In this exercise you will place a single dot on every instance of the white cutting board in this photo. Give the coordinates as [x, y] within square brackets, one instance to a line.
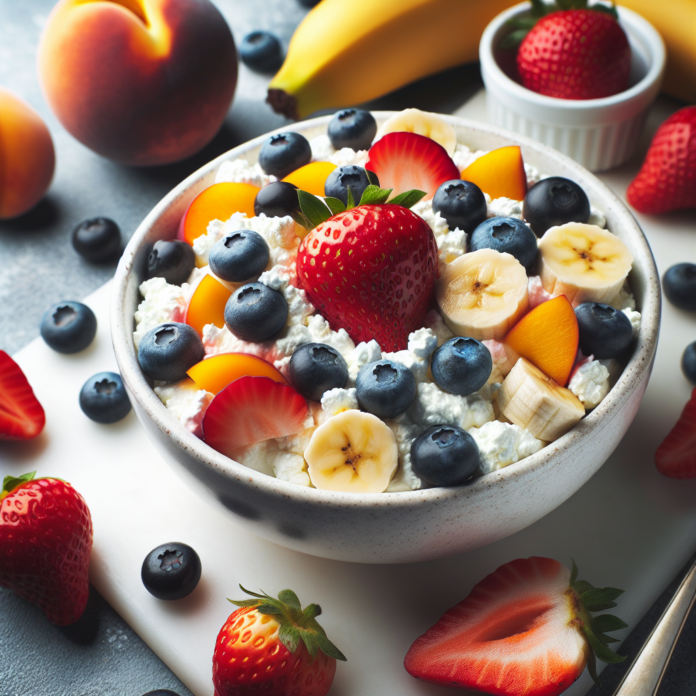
[628, 527]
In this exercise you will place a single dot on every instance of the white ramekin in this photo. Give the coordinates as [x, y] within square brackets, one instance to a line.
[597, 133]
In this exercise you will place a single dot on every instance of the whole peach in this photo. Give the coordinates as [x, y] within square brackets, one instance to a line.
[142, 82]
[27, 157]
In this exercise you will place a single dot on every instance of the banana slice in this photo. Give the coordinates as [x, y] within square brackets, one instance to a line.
[353, 452]
[533, 401]
[422, 123]
[483, 294]
[583, 262]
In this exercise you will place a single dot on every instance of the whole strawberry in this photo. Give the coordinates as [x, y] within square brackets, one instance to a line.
[667, 179]
[45, 542]
[371, 270]
[272, 646]
[575, 53]
[524, 630]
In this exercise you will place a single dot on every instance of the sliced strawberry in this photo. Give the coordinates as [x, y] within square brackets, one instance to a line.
[522, 631]
[250, 410]
[405, 161]
[676, 456]
[21, 415]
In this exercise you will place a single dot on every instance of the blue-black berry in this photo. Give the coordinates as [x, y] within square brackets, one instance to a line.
[239, 256]
[679, 283]
[277, 199]
[167, 351]
[97, 240]
[461, 365]
[444, 455]
[604, 331]
[103, 398]
[172, 260]
[315, 368]
[284, 153]
[507, 235]
[349, 177]
[68, 327]
[461, 203]
[385, 388]
[353, 128]
[555, 201]
[171, 571]
[688, 362]
[255, 312]
[261, 51]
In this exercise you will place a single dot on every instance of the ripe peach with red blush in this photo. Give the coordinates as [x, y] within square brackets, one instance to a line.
[27, 157]
[142, 82]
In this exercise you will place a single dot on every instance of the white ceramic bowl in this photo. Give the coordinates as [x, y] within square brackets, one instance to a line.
[597, 133]
[393, 527]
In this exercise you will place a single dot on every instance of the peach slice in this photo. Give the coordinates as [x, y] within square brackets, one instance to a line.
[215, 373]
[311, 177]
[500, 173]
[548, 338]
[207, 304]
[217, 202]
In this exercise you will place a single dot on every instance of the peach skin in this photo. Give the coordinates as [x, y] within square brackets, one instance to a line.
[27, 157]
[142, 82]
[207, 304]
[215, 373]
[548, 337]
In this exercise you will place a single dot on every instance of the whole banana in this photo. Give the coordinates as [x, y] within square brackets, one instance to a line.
[348, 52]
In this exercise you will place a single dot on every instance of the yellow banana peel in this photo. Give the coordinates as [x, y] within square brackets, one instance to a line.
[347, 52]
[350, 51]
[676, 21]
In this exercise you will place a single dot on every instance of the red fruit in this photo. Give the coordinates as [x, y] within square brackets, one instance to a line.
[45, 541]
[253, 409]
[405, 161]
[575, 54]
[667, 179]
[676, 456]
[21, 415]
[251, 657]
[524, 630]
[371, 270]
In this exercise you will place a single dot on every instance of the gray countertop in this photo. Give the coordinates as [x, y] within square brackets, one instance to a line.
[101, 655]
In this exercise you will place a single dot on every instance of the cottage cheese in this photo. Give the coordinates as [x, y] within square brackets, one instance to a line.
[336, 401]
[451, 244]
[502, 444]
[634, 318]
[324, 151]
[241, 172]
[405, 432]
[432, 406]
[186, 402]
[590, 383]
[161, 303]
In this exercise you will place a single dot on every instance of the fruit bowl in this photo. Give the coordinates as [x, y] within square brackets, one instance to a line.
[404, 526]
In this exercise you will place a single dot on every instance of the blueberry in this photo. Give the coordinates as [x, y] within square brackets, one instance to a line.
[555, 201]
[256, 313]
[461, 203]
[679, 283]
[461, 365]
[171, 260]
[354, 128]
[343, 178]
[97, 240]
[604, 331]
[68, 327]
[103, 398]
[277, 200]
[171, 571]
[284, 153]
[385, 388]
[444, 455]
[261, 51]
[239, 256]
[507, 235]
[315, 368]
[167, 351]
[689, 362]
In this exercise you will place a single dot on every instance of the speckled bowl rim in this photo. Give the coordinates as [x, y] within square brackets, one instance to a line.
[632, 377]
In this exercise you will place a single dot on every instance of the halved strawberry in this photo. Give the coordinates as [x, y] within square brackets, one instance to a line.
[21, 415]
[676, 456]
[405, 161]
[524, 630]
[250, 410]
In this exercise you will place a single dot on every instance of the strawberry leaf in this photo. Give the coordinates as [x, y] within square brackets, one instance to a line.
[408, 199]
[335, 205]
[313, 208]
[573, 573]
[600, 598]
[513, 39]
[592, 666]
[289, 598]
[289, 636]
[350, 201]
[603, 653]
[244, 602]
[582, 586]
[311, 612]
[607, 9]
[607, 639]
[9, 483]
[310, 640]
[328, 648]
[607, 622]
[374, 195]
[372, 177]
